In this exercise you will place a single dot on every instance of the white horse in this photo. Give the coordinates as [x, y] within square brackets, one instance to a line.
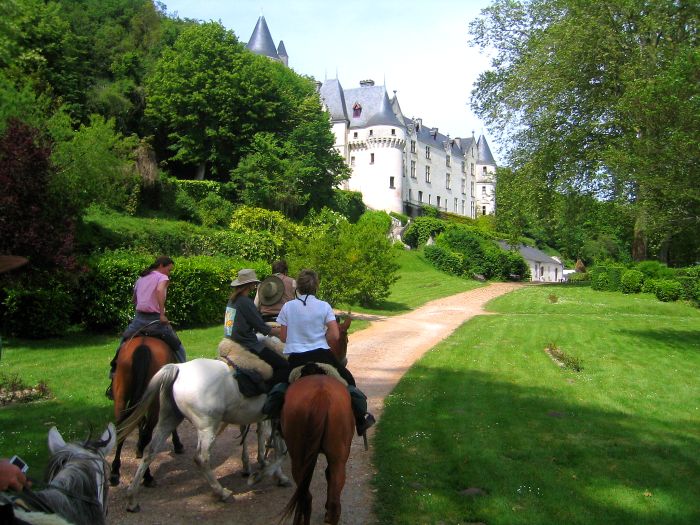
[77, 484]
[205, 392]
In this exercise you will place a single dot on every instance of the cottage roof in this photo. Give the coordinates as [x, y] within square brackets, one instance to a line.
[261, 42]
[531, 254]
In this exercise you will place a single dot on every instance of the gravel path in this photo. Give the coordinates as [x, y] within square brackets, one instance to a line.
[378, 356]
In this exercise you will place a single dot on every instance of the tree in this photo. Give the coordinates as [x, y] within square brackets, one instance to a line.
[600, 98]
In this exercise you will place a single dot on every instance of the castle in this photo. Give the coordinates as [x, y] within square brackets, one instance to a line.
[398, 163]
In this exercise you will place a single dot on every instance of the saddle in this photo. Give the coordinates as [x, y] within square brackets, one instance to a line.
[249, 370]
[313, 369]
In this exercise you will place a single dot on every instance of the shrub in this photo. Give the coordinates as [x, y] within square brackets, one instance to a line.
[687, 286]
[579, 278]
[199, 189]
[668, 290]
[197, 294]
[421, 229]
[607, 278]
[632, 281]
[654, 270]
[214, 210]
[444, 259]
[348, 203]
[37, 305]
[650, 285]
[403, 219]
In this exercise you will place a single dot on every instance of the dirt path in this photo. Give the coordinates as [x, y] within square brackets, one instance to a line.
[378, 357]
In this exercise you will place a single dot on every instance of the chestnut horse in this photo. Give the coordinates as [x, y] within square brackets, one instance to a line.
[139, 360]
[317, 418]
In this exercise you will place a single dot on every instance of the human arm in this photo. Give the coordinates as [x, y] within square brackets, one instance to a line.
[11, 477]
[332, 333]
[283, 333]
[161, 294]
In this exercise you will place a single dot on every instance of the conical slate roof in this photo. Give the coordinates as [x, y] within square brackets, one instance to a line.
[281, 50]
[333, 97]
[384, 115]
[261, 42]
[484, 155]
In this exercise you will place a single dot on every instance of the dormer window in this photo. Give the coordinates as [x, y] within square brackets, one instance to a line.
[356, 110]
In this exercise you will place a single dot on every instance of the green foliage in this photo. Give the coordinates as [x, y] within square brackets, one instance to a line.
[654, 270]
[214, 210]
[579, 278]
[400, 216]
[197, 293]
[421, 229]
[445, 259]
[37, 305]
[650, 285]
[667, 290]
[279, 230]
[349, 203]
[199, 189]
[94, 166]
[607, 277]
[355, 262]
[632, 281]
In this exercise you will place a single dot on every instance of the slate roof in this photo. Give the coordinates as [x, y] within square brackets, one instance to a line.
[333, 97]
[375, 106]
[261, 42]
[484, 155]
[281, 50]
[531, 254]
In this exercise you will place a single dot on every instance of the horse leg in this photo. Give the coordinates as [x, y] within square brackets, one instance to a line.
[335, 477]
[205, 438]
[178, 447]
[245, 459]
[116, 466]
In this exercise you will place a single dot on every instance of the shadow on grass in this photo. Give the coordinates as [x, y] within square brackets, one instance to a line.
[79, 340]
[540, 456]
[679, 339]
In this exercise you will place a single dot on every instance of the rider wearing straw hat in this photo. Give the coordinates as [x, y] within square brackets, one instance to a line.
[274, 291]
[242, 320]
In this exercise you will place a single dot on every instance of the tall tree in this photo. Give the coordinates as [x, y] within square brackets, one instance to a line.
[600, 98]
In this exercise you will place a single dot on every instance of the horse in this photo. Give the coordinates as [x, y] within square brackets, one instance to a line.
[204, 392]
[317, 418]
[139, 360]
[77, 484]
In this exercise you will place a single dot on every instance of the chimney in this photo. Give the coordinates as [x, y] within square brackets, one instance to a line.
[366, 83]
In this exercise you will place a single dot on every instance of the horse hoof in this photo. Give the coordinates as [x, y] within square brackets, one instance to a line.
[284, 482]
[136, 508]
[114, 480]
[245, 473]
[139, 454]
[150, 483]
[225, 494]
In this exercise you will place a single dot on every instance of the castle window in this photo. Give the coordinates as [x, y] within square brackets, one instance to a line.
[447, 161]
[420, 196]
[484, 170]
[448, 182]
[352, 161]
[354, 135]
[391, 182]
[483, 210]
[427, 152]
[464, 186]
[472, 168]
[483, 190]
[464, 167]
[413, 146]
[356, 110]
[455, 204]
[413, 169]
[371, 132]
[371, 158]
[427, 174]
[393, 131]
[472, 189]
[438, 201]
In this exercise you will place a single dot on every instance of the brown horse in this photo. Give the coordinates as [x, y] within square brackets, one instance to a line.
[340, 350]
[317, 418]
[139, 360]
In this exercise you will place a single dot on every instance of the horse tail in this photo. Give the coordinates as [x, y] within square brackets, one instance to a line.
[316, 415]
[162, 381]
[140, 365]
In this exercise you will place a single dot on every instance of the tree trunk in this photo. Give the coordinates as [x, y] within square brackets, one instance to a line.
[201, 168]
[639, 243]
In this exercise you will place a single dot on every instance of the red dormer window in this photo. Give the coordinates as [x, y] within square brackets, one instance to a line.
[356, 110]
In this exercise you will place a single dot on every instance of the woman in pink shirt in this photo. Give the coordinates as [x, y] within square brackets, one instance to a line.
[150, 293]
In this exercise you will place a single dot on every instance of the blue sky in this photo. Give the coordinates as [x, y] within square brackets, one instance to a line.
[417, 47]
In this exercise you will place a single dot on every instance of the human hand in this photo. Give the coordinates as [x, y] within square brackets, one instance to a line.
[11, 477]
[164, 319]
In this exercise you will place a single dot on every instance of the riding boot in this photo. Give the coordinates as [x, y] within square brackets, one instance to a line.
[275, 400]
[358, 401]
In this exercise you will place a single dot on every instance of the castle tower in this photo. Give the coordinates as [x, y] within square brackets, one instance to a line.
[261, 43]
[485, 178]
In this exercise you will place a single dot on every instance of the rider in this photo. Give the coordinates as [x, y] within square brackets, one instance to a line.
[274, 291]
[308, 328]
[150, 292]
[242, 320]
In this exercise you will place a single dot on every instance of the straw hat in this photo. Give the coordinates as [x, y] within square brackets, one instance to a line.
[270, 290]
[245, 276]
[10, 262]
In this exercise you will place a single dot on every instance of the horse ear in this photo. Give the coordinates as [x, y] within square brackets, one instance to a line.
[56, 442]
[346, 323]
[109, 436]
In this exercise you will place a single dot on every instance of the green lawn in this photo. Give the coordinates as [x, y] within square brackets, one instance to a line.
[75, 368]
[487, 409]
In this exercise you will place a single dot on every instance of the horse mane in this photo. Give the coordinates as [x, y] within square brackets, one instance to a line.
[72, 471]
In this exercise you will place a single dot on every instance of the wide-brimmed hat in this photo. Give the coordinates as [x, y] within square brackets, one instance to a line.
[270, 290]
[10, 262]
[245, 276]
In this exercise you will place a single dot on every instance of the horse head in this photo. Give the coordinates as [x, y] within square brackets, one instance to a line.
[340, 350]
